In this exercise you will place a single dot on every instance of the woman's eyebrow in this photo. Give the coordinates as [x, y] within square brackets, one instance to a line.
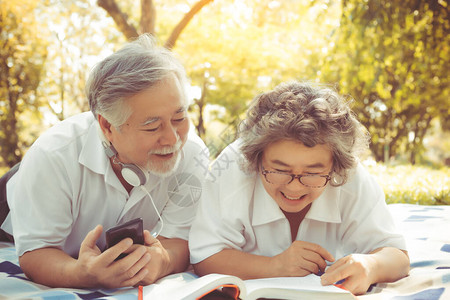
[316, 165]
[312, 166]
[281, 163]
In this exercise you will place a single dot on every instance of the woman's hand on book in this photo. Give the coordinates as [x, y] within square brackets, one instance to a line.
[359, 271]
[300, 259]
[352, 271]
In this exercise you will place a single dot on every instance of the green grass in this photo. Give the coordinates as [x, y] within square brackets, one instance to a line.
[407, 183]
[413, 184]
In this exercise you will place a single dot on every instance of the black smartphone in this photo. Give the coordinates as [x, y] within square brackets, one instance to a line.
[133, 229]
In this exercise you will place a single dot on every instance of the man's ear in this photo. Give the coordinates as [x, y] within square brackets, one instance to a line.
[105, 127]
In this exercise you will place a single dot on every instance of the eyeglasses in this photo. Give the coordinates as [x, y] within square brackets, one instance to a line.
[312, 181]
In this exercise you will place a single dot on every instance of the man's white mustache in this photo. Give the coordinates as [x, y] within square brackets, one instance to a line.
[168, 149]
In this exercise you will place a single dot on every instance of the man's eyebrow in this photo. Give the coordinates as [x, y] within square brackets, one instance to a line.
[181, 109]
[150, 121]
[155, 119]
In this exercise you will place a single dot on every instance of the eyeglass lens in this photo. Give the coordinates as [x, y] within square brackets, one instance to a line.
[308, 180]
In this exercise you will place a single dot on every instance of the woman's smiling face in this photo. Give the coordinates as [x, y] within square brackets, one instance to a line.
[291, 157]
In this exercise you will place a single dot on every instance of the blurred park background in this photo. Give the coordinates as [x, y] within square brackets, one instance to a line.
[390, 56]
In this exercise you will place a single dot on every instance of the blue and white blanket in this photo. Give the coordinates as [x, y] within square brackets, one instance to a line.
[427, 233]
[426, 229]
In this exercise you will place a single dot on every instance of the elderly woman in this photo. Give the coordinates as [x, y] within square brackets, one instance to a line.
[289, 197]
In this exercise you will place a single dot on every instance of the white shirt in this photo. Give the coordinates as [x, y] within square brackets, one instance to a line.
[236, 212]
[66, 186]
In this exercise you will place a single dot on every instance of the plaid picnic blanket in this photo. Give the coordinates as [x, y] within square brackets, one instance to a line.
[427, 233]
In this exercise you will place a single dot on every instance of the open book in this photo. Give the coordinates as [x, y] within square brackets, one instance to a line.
[189, 286]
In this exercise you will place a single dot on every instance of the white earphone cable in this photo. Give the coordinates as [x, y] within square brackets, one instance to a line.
[155, 234]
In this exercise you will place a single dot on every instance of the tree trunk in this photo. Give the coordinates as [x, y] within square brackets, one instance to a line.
[119, 18]
[148, 17]
[170, 43]
[200, 127]
[11, 153]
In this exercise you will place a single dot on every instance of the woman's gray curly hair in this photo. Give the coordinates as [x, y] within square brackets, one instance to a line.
[308, 113]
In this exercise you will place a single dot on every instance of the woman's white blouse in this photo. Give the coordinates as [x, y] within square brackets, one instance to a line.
[235, 212]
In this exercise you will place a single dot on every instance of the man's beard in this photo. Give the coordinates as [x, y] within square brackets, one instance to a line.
[165, 168]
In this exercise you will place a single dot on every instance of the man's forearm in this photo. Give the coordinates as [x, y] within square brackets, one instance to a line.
[51, 267]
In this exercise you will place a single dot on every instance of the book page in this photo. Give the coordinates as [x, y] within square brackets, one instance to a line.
[188, 286]
[294, 288]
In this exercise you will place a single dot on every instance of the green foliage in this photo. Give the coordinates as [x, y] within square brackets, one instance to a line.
[3, 170]
[235, 50]
[413, 184]
[22, 58]
[47, 50]
[392, 57]
[73, 23]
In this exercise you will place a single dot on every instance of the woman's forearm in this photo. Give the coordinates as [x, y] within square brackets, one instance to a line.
[391, 264]
[178, 252]
[237, 263]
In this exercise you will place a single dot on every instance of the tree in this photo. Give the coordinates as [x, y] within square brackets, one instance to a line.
[392, 57]
[147, 22]
[75, 35]
[249, 47]
[79, 37]
[22, 58]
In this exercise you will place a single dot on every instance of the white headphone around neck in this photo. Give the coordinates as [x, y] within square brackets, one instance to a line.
[132, 173]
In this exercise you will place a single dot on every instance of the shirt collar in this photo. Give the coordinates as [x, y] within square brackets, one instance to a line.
[92, 153]
[266, 210]
[93, 157]
[326, 207]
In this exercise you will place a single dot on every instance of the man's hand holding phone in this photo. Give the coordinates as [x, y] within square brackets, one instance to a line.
[141, 264]
[159, 262]
[132, 229]
[95, 268]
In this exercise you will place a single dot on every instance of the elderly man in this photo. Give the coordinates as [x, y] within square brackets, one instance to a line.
[132, 156]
